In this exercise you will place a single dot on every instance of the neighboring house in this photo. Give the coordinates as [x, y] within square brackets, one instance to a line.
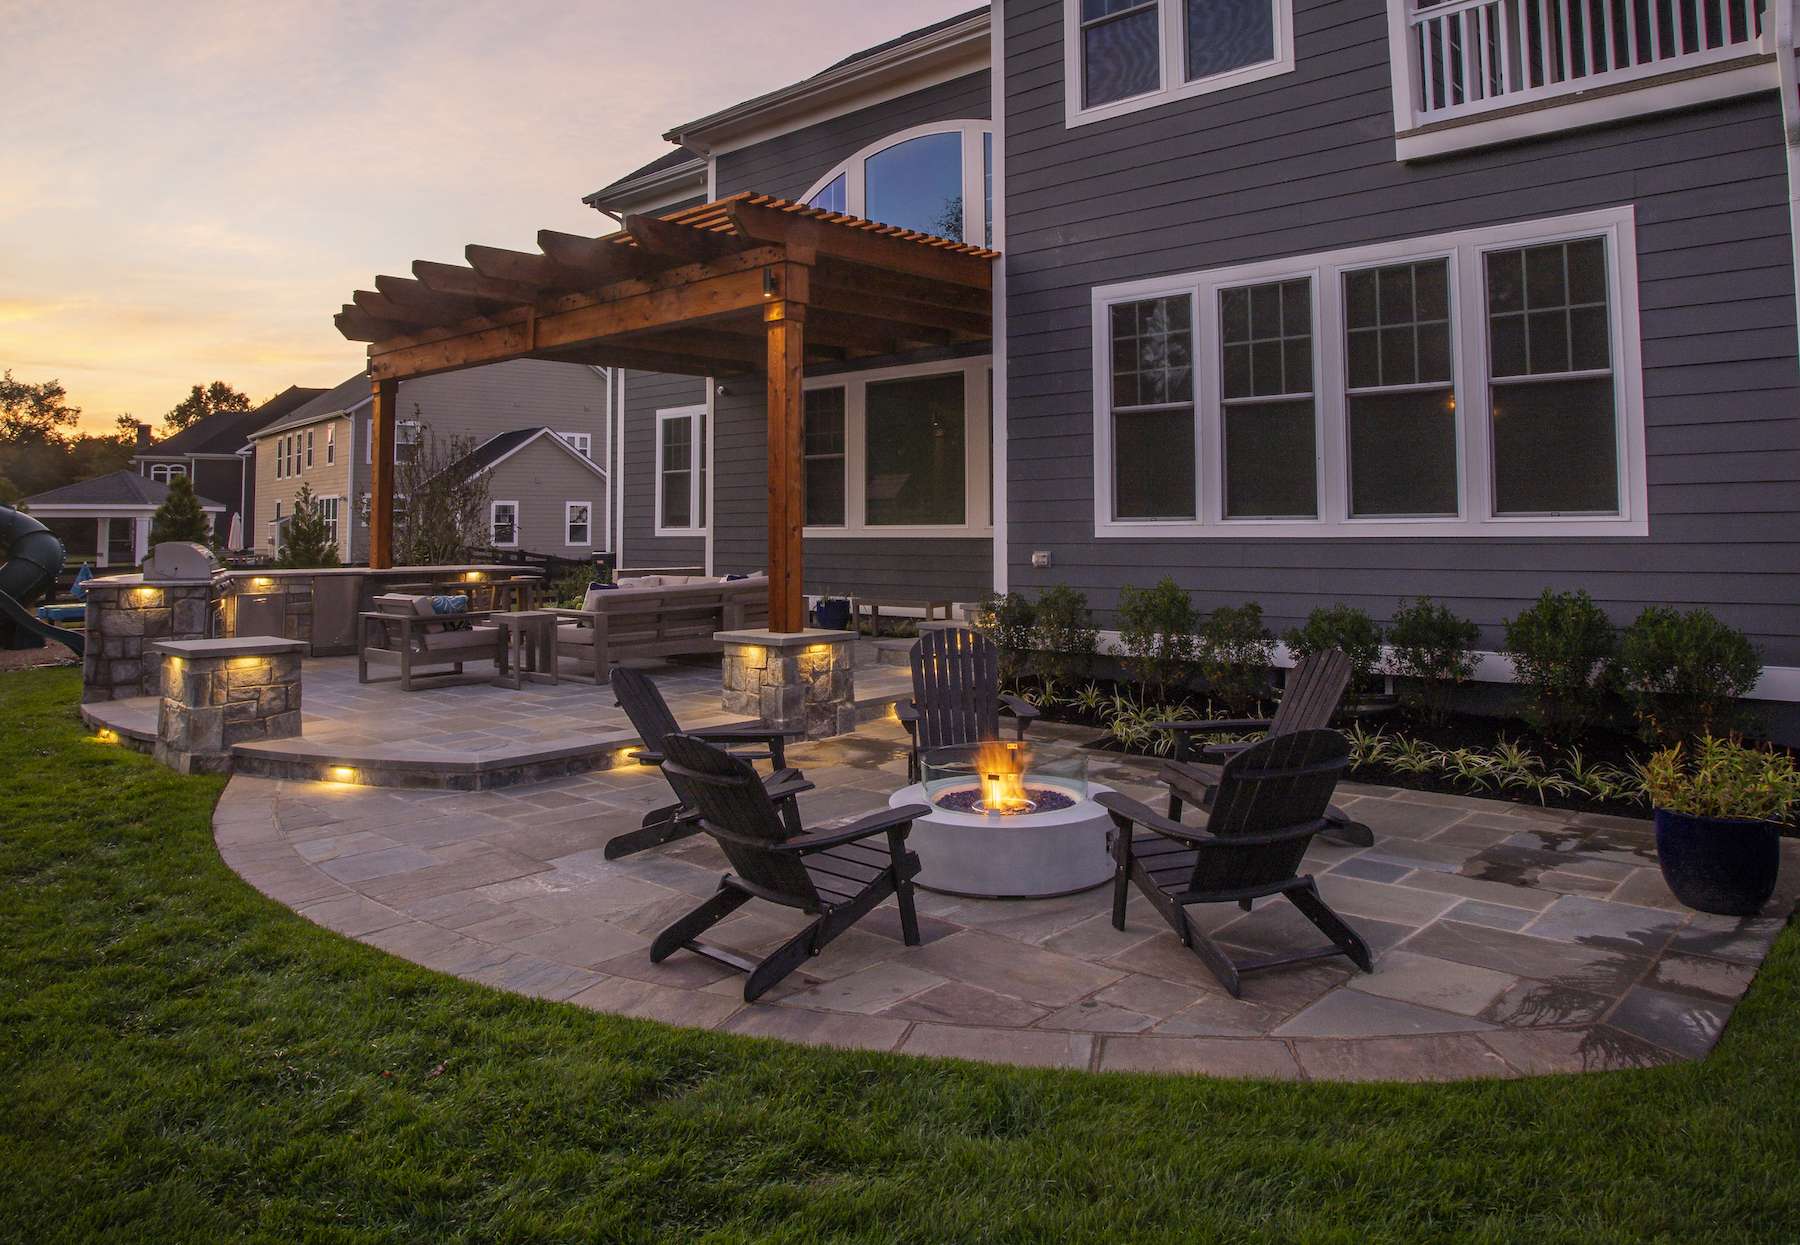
[541, 431]
[215, 453]
[1302, 302]
[106, 520]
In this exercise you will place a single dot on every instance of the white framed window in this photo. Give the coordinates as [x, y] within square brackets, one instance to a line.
[165, 472]
[581, 442]
[900, 452]
[309, 449]
[280, 458]
[328, 512]
[935, 179]
[681, 471]
[330, 444]
[503, 524]
[276, 530]
[1120, 56]
[578, 524]
[1483, 383]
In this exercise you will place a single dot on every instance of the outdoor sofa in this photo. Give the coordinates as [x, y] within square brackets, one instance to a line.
[410, 632]
[659, 616]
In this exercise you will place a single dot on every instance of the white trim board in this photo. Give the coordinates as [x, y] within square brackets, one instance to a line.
[1779, 684]
[1463, 251]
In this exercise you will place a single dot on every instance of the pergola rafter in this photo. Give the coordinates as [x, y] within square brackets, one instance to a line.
[748, 284]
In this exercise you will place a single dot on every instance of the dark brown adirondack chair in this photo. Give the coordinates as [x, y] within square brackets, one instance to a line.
[1313, 693]
[956, 694]
[650, 717]
[831, 872]
[1270, 801]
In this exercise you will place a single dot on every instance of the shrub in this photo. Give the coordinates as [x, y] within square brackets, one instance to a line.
[1064, 636]
[569, 590]
[1430, 646]
[1156, 632]
[1010, 621]
[1560, 648]
[1724, 779]
[1349, 630]
[306, 542]
[1236, 651]
[1685, 672]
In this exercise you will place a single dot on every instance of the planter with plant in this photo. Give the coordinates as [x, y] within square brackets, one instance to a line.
[1719, 806]
[832, 612]
[1357, 636]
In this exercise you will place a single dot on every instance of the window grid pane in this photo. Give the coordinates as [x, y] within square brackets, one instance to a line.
[1270, 445]
[1121, 50]
[825, 449]
[1223, 35]
[677, 460]
[914, 469]
[1153, 409]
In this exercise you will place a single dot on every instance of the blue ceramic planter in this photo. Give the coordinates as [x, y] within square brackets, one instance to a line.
[833, 614]
[1724, 865]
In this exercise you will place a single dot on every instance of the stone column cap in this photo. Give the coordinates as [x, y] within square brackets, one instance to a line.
[785, 639]
[244, 646]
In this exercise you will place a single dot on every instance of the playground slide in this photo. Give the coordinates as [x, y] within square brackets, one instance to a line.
[33, 559]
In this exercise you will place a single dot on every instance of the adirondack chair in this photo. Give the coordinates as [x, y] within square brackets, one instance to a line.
[832, 872]
[1313, 693]
[650, 717]
[1270, 801]
[956, 694]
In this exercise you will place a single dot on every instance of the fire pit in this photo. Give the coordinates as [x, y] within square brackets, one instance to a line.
[1008, 821]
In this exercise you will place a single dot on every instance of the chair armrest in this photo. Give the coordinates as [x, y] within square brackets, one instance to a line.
[1019, 708]
[788, 788]
[1215, 726]
[908, 715]
[836, 836]
[730, 734]
[1128, 811]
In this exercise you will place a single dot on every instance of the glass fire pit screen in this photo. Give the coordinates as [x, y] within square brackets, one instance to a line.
[1004, 778]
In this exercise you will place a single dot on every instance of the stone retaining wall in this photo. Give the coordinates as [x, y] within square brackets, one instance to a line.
[125, 621]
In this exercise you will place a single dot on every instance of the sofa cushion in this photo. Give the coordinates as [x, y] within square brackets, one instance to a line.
[641, 581]
[595, 594]
[462, 641]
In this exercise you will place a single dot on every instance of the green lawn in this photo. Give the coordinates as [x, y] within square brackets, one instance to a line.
[185, 1060]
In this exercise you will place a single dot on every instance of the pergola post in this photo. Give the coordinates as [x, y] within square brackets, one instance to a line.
[784, 318]
[385, 395]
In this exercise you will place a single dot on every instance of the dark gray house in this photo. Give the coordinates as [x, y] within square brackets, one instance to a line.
[1302, 301]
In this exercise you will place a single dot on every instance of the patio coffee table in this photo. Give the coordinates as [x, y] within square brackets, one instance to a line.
[527, 648]
[1008, 820]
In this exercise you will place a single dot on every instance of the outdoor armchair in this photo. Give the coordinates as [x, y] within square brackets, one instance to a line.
[956, 695]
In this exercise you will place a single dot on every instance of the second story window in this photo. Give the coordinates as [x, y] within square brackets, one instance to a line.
[309, 448]
[933, 179]
[581, 442]
[1123, 55]
[330, 444]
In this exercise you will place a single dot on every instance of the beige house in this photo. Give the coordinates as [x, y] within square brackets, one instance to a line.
[538, 430]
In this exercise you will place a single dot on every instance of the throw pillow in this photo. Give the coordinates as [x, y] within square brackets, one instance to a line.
[450, 605]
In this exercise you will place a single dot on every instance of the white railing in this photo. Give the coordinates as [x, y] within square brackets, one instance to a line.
[1470, 56]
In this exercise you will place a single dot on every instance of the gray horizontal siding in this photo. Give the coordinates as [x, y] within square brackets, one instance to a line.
[645, 394]
[1305, 162]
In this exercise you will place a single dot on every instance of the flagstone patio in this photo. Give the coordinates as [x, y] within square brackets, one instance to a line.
[1509, 940]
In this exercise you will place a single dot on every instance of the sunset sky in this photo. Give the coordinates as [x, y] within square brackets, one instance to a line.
[192, 190]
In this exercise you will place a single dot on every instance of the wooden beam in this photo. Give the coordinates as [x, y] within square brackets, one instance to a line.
[428, 306]
[786, 329]
[517, 335]
[841, 274]
[710, 342]
[612, 353]
[596, 260]
[358, 325]
[967, 325]
[661, 237]
[861, 246]
[524, 267]
[467, 283]
[385, 395]
[381, 307]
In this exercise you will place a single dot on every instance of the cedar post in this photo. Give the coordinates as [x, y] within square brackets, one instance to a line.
[785, 319]
[385, 394]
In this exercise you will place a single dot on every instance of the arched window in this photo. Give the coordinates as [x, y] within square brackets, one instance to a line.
[162, 473]
[937, 179]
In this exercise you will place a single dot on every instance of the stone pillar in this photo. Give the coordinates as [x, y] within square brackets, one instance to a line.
[126, 618]
[216, 693]
[799, 681]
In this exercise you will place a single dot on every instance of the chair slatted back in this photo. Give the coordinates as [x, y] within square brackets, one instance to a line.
[736, 810]
[956, 688]
[1279, 787]
[645, 706]
[1313, 693]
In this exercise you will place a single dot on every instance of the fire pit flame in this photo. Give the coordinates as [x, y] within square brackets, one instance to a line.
[1001, 766]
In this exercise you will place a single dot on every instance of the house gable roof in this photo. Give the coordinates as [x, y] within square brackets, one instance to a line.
[664, 174]
[229, 431]
[497, 449]
[340, 399]
[117, 488]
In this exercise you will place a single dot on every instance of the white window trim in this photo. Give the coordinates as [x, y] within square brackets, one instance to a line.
[581, 442]
[309, 449]
[1171, 84]
[1678, 83]
[336, 521]
[493, 517]
[976, 466]
[168, 471]
[698, 415]
[973, 160]
[1469, 372]
[569, 523]
[330, 444]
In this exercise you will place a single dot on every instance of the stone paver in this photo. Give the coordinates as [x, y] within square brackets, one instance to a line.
[1510, 940]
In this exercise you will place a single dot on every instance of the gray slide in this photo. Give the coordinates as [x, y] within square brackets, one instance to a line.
[33, 558]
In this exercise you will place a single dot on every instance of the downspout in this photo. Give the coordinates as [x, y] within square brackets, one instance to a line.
[1789, 81]
[352, 503]
[998, 360]
[618, 400]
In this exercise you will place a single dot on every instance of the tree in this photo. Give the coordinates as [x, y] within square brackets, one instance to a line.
[306, 541]
[34, 413]
[202, 402]
[9, 492]
[90, 456]
[446, 506]
[180, 516]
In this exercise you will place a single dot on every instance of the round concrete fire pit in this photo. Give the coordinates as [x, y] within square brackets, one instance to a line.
[1006, 823]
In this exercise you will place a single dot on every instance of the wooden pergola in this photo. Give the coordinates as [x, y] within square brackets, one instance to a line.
[743, 285]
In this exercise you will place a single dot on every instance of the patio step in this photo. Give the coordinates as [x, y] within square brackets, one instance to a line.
[894, 652]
